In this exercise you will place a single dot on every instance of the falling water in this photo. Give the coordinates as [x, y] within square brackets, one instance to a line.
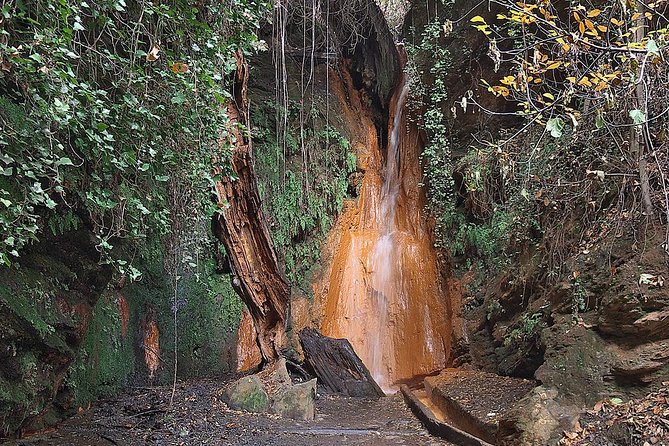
[384, 257]
[384, 291]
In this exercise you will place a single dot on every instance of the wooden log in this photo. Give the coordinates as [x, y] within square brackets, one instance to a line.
[337, 366]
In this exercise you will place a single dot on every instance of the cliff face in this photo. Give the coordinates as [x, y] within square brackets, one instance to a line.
[576, 297]
[46, 305]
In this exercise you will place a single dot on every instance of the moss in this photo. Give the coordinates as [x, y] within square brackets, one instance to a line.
[300, 203]
[208, 315]
[105, 360]
[255, 401]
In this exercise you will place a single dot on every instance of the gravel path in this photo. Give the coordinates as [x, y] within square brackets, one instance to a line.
[142, 417]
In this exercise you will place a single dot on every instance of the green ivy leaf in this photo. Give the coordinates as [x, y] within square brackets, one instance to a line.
[638, 117]
[64, 161]
[652, 47]
[555, 126]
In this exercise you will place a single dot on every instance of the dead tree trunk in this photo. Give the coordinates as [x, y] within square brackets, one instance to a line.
[240, 226]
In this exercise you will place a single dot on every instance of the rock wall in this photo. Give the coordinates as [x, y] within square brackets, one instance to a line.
[68, 336]
[600, 331]
[46, 306]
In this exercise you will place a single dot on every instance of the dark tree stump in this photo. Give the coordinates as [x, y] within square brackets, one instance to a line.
[337, 366]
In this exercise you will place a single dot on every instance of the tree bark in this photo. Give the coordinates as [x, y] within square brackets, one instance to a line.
[337, 366]
[637, 134]
[242, 229]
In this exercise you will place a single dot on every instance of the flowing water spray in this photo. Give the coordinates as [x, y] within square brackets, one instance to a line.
[384, 292]
[384, 258]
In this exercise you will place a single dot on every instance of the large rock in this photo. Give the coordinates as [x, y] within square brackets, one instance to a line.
[577, 363]
[537, 419]
[275, 377]
[272, 390]
[46, 305]
[297, 402]
[247, 394]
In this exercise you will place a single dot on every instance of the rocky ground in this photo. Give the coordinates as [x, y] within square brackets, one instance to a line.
[142, 416]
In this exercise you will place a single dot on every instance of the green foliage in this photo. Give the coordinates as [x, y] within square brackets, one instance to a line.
[579, 296]
[102, 102]
[526, 330]
[301, 201]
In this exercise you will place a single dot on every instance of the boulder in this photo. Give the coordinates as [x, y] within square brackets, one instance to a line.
[297, 402]
[272, 391]
[537, 419]
[275, 377]
[248, 394]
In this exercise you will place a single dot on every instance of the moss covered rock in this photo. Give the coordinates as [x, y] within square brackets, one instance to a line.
[297, 402]
[247, 394]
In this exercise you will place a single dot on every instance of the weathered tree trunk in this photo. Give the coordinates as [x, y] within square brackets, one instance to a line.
[242, 229]
[337, 366]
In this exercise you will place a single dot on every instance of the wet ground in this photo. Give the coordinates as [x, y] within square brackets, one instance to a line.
[197, 417]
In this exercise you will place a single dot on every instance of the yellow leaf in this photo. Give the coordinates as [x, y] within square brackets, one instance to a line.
[577, 17]
[554, 65]
[585, 82]
[179, 67]
[477, 19]
[581, 27]
[508, 80]
[501, 91]
[549, 96]
[590, 25]
[601, 86]
[602, 28]
[617, 22]
[571, 79]
[594, 13]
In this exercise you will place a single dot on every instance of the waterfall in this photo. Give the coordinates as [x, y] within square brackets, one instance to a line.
[385, 260]
[383, 289]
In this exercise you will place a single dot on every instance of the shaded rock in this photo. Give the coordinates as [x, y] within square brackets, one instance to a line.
[247, 394]
[642, 364]
[654, 325]
[577, 363]
[46, 305]
[337, 365]
[537, 419]
[297, 401]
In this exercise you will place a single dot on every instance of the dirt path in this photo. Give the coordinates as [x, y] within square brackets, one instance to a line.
[141, 417]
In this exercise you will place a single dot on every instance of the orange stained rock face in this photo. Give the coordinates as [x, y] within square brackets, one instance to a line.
[151, 344]
[248, 352]
[124, 313]
[384, 292]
